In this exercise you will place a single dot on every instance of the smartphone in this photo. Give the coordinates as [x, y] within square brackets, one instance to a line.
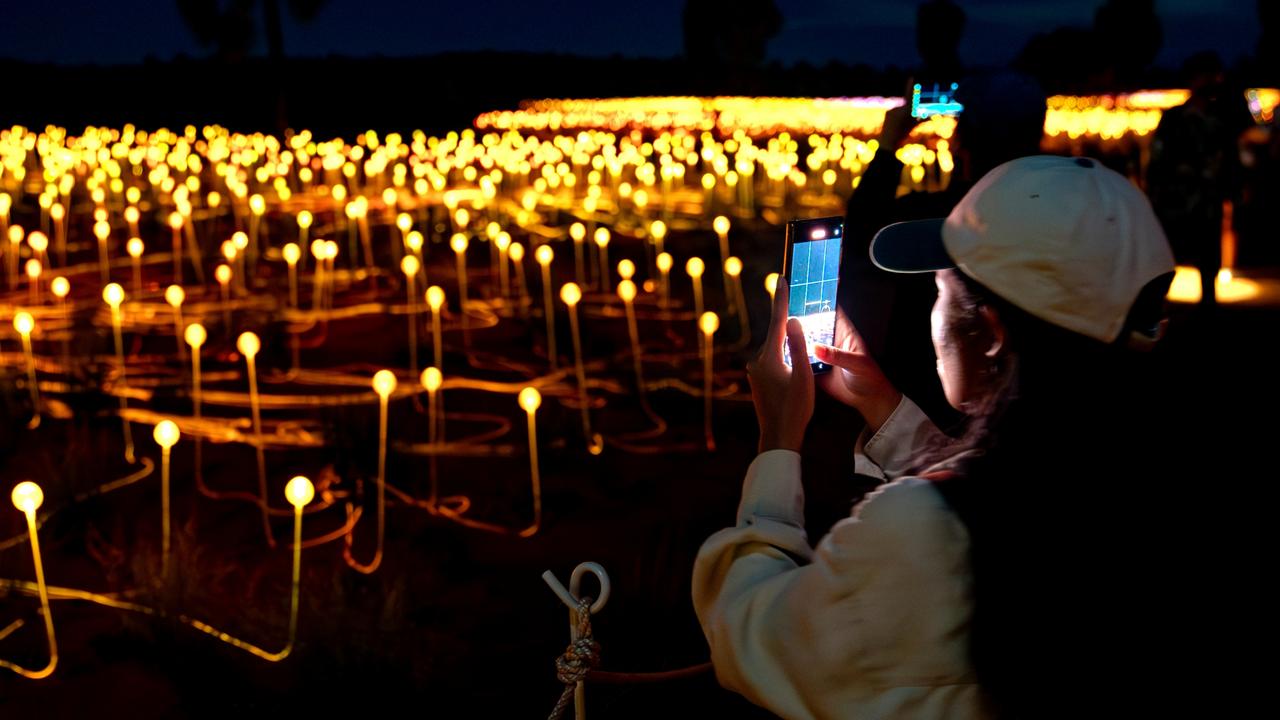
[935, 100]
[811, 266]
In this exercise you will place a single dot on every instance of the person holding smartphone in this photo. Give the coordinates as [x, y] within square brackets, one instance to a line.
[968, 585]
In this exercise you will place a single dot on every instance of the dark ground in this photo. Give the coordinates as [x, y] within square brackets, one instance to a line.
[458, 620]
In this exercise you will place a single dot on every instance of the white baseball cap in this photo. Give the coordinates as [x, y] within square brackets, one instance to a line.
[1065, 239]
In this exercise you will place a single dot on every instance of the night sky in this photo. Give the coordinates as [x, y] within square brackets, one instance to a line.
[877, 32]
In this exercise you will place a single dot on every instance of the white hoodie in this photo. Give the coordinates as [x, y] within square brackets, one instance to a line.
[871, 623]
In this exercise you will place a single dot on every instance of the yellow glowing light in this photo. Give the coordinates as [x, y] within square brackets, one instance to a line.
[134, 247]
[709, 323]
[409, 265]
[131, 215]
[229, 251]
[626, 269]
[404, 221]
[771, 283]
[658, 229]
[435, 297]
[516, 252]
[570, 294]
[299, 491]
[720, 224]
[544, 255]
[695, 267]
[175, 220]
[431, 379]
[174, 295]
[627, 290]
[459, 243]
[384, 383]
[113, 294]
[733, 267]
[195, 335]
[530, 399]
[102, 230]
[664, 261]
[166, 434]
[602, 236]
[38, 241]
[292, 253]
[222, 274]
[414, 241]
[258, 205]
[248, 344]
[60, 287]
[24, 323]
[27, 496]
[240, 241]
[577, 231]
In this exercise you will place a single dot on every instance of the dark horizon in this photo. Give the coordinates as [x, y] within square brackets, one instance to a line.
[879, 33]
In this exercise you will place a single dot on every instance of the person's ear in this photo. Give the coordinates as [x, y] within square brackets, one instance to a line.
[996, 332]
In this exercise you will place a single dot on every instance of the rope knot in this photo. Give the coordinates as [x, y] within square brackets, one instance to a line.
[579, 658]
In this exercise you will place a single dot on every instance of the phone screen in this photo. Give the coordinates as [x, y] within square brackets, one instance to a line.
[813, 273]
[935, 100]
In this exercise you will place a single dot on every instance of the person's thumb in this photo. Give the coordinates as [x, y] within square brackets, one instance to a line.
[837, 357]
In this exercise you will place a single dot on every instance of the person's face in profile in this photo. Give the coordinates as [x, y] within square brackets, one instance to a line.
[966, 339]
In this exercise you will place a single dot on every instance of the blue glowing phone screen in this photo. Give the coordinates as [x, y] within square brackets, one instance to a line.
[815, 276]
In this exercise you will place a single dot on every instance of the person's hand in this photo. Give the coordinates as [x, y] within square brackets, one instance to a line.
[897, 127]
[856, 379]
[783, 395]
[898, 122]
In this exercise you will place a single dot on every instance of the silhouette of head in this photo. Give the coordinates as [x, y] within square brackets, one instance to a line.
[939, 26]
[1003, 119]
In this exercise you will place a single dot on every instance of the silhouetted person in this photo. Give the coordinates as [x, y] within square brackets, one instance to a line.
[939, 27]
[725, 38]
[1194, 168]
[1269, 40]
[1003, 119]
[1129, 36]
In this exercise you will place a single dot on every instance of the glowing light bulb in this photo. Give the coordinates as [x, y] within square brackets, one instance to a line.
[299, 491]
[166, 434]
[720, 224]
[709, 323]
[134, 247]
[409, 265]
[733, 267]
[384, 383]
[60, 287]
[431, 379]
[695, 267]
[38, 241]
[292, 253]
[435, 297]
[627, 290]
[240, 241]
[113, 294]
[577, 231]
[658, 229]
[544, 254]
[24, 323]
[771, 283]
[664, 262]
[248, 344]
[175, 295]
[27, 496]
[458, 242]
[602, 236]
[195, 335]
[570, 294]
[530, 399]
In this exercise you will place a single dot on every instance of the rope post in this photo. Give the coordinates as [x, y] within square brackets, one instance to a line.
[583, 652]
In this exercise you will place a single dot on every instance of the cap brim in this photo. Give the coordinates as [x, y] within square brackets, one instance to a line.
[911, 247]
